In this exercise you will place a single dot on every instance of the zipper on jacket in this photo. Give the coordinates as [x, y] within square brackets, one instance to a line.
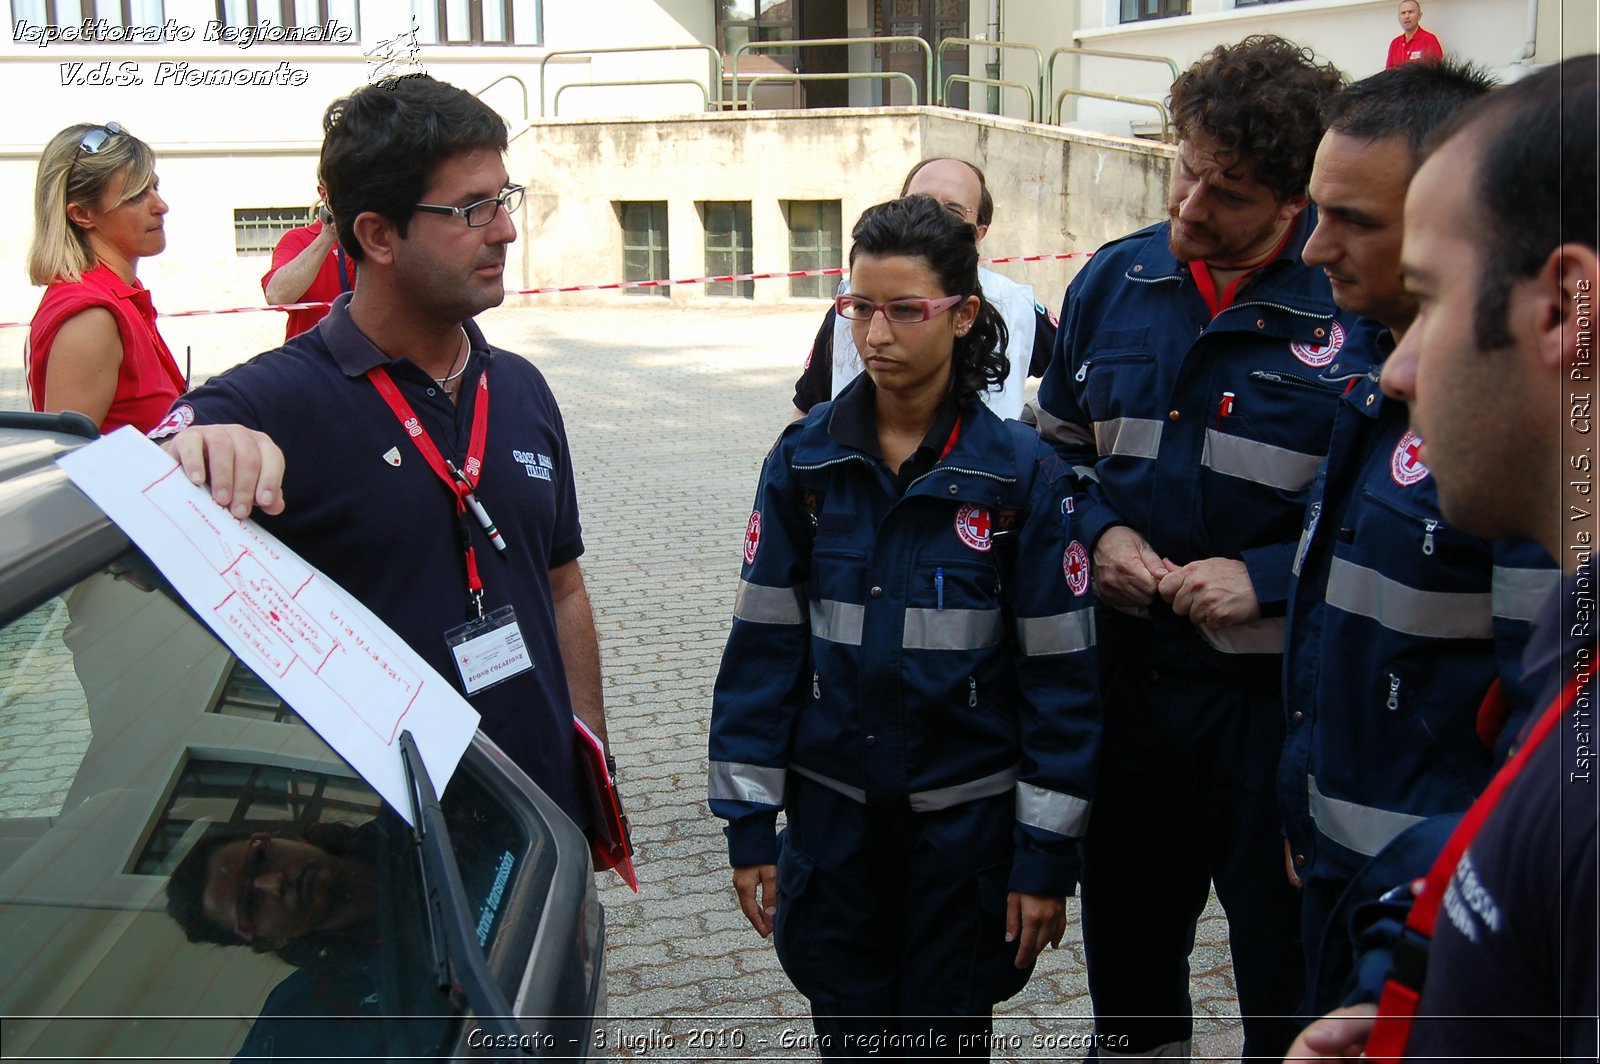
[816, 685]
[972, 692]
[1083, 371]
[1427, 534]
[938, 586]
[1394, 692]
[1291, 380]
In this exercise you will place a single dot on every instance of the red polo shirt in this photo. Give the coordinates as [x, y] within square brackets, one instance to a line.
[1422, 45]
[324, 286]
[148, 380]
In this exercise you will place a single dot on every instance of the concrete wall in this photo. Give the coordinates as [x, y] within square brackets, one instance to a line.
[1055, 190]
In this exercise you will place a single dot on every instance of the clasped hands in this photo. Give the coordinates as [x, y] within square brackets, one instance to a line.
[1129, 574]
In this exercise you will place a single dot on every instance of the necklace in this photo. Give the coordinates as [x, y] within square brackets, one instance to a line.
[445, 382]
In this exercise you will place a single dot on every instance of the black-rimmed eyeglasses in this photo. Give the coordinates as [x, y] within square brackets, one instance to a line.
[482, 212]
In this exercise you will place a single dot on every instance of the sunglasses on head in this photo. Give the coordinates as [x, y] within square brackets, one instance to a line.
[94, 140]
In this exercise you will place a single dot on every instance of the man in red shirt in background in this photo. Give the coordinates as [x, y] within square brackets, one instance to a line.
[1414, 42]
[308, 267]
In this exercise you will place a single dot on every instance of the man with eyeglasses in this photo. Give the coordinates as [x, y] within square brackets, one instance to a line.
[370, 445]
[834, 361]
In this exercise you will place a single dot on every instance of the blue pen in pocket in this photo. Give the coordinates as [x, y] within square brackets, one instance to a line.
[938, 585]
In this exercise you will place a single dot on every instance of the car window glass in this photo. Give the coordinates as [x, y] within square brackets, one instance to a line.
[186, 868]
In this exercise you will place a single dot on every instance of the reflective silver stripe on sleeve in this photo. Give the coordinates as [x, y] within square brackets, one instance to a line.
[1131, 437]
[838, 622]
[1402, 608]
[1363, 828]
[1519, 593]
[946, 797]
[855, 794]
[1063, 814]
[1260, 463]
[769, 605]
[1054, 430]
[1087, 472]
[1061, 634]
[951, 629]
[735, 782]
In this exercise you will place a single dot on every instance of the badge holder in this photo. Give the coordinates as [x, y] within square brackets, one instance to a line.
[488, 650]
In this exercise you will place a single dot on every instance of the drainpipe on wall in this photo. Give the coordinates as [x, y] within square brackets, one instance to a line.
[1522, 57]
[994, 55]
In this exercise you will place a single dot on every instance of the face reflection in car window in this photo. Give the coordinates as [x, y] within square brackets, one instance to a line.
[283, 887]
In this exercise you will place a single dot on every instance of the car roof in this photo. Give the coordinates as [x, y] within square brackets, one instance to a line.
[52, 531]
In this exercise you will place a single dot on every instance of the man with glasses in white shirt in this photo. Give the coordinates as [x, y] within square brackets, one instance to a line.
[960, 186]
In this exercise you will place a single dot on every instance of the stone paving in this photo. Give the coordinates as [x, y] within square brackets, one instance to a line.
[670, 413]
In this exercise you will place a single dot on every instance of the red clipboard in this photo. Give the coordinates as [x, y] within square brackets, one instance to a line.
[612, 845]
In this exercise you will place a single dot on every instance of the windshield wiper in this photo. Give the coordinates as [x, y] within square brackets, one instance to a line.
[457, 957]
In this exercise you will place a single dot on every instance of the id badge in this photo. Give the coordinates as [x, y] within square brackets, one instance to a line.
[488, 651]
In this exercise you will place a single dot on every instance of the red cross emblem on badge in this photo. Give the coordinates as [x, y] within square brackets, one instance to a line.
[1318, 355]
[1405, 465]
[752, 536]
[1075, 563]
[973, 527]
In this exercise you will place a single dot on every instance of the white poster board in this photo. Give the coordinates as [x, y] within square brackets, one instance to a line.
[341, 668]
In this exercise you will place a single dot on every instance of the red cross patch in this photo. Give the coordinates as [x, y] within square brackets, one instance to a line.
[752, 536]
[973, 527]
[1075, 563]
[180, 418]
[1318, 355]
[1404, 465]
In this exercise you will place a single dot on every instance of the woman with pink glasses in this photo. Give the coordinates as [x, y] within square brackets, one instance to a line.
[910, 675]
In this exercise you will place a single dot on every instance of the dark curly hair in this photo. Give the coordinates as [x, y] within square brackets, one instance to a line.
[920, 227]
[1260, 100]
[186, 889]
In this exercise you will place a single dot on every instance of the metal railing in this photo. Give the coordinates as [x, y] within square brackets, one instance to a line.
[969, 79]
[520, 84]
[1097, 53]
[1035, 99]
[713, 95]
[874, 75]
[768, 46]
[1166, 120]
[1044, 99]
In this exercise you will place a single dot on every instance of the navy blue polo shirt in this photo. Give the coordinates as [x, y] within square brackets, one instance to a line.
[363, 506]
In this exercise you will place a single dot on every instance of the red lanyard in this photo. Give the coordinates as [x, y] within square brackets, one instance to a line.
[463, 482]
[950, 444]
[1398, 1005]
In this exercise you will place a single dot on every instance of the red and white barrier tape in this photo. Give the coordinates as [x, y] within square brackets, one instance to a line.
[606, 287]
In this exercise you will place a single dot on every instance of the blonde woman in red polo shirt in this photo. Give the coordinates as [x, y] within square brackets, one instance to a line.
[93, 345]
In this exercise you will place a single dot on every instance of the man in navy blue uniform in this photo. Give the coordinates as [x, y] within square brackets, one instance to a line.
[1186, 386]
[368, 442]
[1399, 624]
[1500, 252]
